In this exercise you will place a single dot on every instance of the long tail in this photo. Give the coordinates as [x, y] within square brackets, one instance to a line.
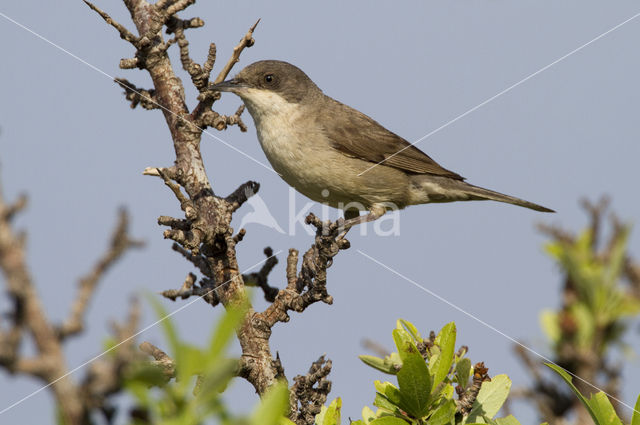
[428, 188]
[483, 193]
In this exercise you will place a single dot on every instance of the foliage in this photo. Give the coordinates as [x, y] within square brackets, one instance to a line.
[600, 299]
[598, 405]
[426, 371]
[201, 375]
[596, 317]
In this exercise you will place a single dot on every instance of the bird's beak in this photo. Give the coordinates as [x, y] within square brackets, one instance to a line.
[233, 85]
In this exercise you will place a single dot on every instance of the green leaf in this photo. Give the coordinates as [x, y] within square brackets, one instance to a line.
[463, 372]
[618, 256]
[444, 392]
[635, 420]
[549, 324]
[389, 390]
[382, 402]
[273, 406]
[330, 415]
[215, 381]
[383, 365]
[367, 414]
[509, 420]
[226, 329]
[604, 410]
[403, 340]
[443, 414]
[446, 340]
[415, 385]
[413, 378]
[585, 321]
[170, 331]
[490, 399]
[387, 396]
[409, 327]
[147, 374]
[388, 420]
[567, 378]
[192, 359]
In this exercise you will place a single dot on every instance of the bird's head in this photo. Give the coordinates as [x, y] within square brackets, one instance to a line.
[267, 83]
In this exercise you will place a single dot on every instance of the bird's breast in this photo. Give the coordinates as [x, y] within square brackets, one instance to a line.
[287, 148]
[299, 150]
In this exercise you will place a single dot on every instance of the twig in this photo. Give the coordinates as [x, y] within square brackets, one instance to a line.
[124, 33]
[120, 243]
[468, 396]
[246, 41]
[260, 278]
[135, 95]
[162, 359]
[309, 393]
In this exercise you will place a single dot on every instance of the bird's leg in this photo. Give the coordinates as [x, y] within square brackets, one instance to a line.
[352, 218]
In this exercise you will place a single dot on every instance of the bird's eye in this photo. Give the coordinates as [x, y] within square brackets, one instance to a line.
[268, 78]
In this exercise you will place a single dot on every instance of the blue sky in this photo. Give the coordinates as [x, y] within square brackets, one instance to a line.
[71, 142]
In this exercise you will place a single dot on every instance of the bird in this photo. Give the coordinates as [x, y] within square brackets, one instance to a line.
[335, 154]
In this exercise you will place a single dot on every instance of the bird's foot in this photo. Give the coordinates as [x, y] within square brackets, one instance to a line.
[375, 212]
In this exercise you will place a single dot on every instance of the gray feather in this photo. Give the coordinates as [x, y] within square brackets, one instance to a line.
[357, 135]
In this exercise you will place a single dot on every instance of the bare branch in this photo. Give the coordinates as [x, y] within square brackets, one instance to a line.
[202, 112]
[221, 122]
[246, 41]
[179, 6]
[124, 33]
[310, 284]
[260, 278]
[105, 376]
[595, 211]
[198, 260]
[211, 60]
[375, 347]
[130, 63]
[138, 96]
[120, 243]
[48, 363]
[309, 393]
[162, 359]
[11, 210]
[185, 290]
[242, 193]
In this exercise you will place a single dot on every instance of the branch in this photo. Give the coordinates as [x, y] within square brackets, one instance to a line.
[466, 397]
[309, 393]
[199, 76]
[162, 360]
[202, 113]
[138, 96]
[27, 317]
[120, 243]
[105, 375]
[309, 286]
[204, 236]
[221, 122]
[242, 194]
[260, 278]
[124, 33]
[246, 41]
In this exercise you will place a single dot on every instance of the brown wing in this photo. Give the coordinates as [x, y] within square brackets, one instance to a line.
[355, 134]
